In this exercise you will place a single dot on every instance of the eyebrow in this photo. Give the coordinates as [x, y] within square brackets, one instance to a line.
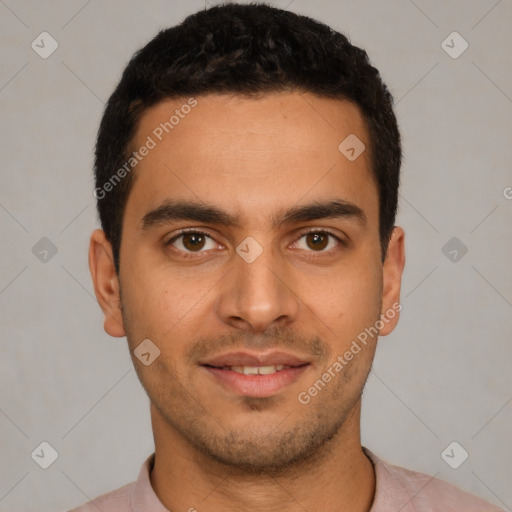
[200, 212]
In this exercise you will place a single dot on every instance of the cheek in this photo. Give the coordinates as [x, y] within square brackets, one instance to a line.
[348, 298]
[145, 302]
[159, 304]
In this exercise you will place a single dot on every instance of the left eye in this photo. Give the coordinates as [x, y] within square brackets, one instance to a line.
[319, 241]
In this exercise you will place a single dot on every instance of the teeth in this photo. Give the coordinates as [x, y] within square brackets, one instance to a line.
[255, 370]
[266, 370]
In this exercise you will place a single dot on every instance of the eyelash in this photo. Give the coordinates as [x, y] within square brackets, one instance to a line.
[192, 254]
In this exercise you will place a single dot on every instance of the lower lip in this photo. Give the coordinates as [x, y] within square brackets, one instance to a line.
[258, 386]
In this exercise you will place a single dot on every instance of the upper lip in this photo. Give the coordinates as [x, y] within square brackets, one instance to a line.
[254, 359]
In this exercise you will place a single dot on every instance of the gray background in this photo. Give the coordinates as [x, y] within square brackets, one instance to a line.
[442, 376]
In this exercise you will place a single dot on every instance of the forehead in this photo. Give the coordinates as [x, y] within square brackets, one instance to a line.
[252, 156]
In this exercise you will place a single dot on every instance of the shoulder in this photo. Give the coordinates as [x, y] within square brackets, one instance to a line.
[420, 492]
[113, 501]
[137, 496]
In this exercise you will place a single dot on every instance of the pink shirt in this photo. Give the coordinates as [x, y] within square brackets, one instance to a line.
[397, 489]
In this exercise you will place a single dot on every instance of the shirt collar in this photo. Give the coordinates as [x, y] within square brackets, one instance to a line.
[143, 497]
[390, 493]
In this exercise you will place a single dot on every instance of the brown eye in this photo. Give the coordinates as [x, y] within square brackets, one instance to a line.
[317, 241]
[192, 241]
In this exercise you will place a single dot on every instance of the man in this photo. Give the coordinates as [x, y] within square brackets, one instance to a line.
[247, 171]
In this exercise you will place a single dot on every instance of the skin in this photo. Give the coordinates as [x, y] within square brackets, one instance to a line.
[215, 449]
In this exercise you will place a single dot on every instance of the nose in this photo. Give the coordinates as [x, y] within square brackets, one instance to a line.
[258, 296]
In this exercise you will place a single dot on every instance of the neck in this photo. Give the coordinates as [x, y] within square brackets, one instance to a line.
[341, 478]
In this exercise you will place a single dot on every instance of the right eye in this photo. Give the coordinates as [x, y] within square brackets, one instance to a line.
[192, 241]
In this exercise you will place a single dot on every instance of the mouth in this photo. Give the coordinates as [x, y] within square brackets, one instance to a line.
[255, 375]
[254, 370]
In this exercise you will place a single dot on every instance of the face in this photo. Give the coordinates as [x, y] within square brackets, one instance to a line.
[251, 259]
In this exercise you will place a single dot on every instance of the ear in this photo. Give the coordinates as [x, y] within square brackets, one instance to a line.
[392, 280]
[106, 283]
